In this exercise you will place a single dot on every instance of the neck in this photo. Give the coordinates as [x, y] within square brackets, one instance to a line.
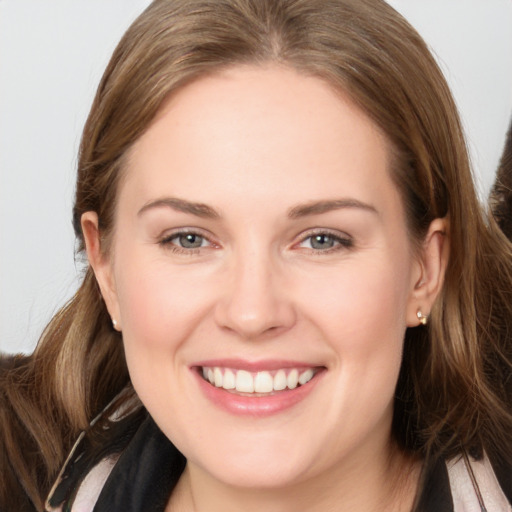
[383, 484]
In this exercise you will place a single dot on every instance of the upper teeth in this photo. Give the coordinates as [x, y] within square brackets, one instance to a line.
[257, 382]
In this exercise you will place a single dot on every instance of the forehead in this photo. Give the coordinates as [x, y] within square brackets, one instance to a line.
[270, 134]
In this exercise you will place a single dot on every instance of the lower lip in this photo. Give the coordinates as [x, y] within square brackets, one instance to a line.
[258, 406]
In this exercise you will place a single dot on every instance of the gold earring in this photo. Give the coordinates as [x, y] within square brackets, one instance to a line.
[422, 318]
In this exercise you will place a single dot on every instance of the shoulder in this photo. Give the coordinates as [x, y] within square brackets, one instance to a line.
[95, 454]
[475, 486]
[135, 468]
[84, 497]
[465, 484]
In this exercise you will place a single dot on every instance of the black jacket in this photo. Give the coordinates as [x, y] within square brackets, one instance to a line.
[147, 466]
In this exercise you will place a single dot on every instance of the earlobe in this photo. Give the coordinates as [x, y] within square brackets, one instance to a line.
[101, 265]
[433, 260]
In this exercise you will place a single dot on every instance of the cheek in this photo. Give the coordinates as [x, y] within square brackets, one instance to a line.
[365, 300]
[161, 308]
[362, 315]
[155, 298]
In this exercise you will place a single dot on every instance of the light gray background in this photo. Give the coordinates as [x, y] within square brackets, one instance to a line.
[52, 54]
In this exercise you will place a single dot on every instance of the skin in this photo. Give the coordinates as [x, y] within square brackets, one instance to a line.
[252, 144]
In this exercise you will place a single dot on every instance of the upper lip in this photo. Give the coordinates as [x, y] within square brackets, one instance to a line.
[255, 366]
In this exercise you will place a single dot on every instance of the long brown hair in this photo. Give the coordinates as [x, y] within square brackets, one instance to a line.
[501, 194]
[454, 388]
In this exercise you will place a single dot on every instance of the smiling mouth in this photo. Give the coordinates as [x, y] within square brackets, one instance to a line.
[257, 383]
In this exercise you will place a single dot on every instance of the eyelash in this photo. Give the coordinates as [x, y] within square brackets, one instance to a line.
[340, 242]
[167, 243]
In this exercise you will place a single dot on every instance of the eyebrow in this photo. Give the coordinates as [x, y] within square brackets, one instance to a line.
[181, 205]
[319, 207]
[302, 210]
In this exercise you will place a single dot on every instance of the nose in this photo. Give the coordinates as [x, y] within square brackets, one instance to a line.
[255, 302]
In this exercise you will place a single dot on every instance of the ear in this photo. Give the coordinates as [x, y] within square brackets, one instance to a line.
[101, 265]
[428, 278]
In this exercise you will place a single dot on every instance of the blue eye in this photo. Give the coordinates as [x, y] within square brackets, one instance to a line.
[189, 240]
[324, 242]
[184, 241]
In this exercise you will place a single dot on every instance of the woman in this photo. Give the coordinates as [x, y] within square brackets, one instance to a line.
[320, 327]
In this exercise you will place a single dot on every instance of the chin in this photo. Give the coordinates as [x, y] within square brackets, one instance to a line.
[258, 463]
[258, 474]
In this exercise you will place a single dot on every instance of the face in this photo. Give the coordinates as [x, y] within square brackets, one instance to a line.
[262, 276]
